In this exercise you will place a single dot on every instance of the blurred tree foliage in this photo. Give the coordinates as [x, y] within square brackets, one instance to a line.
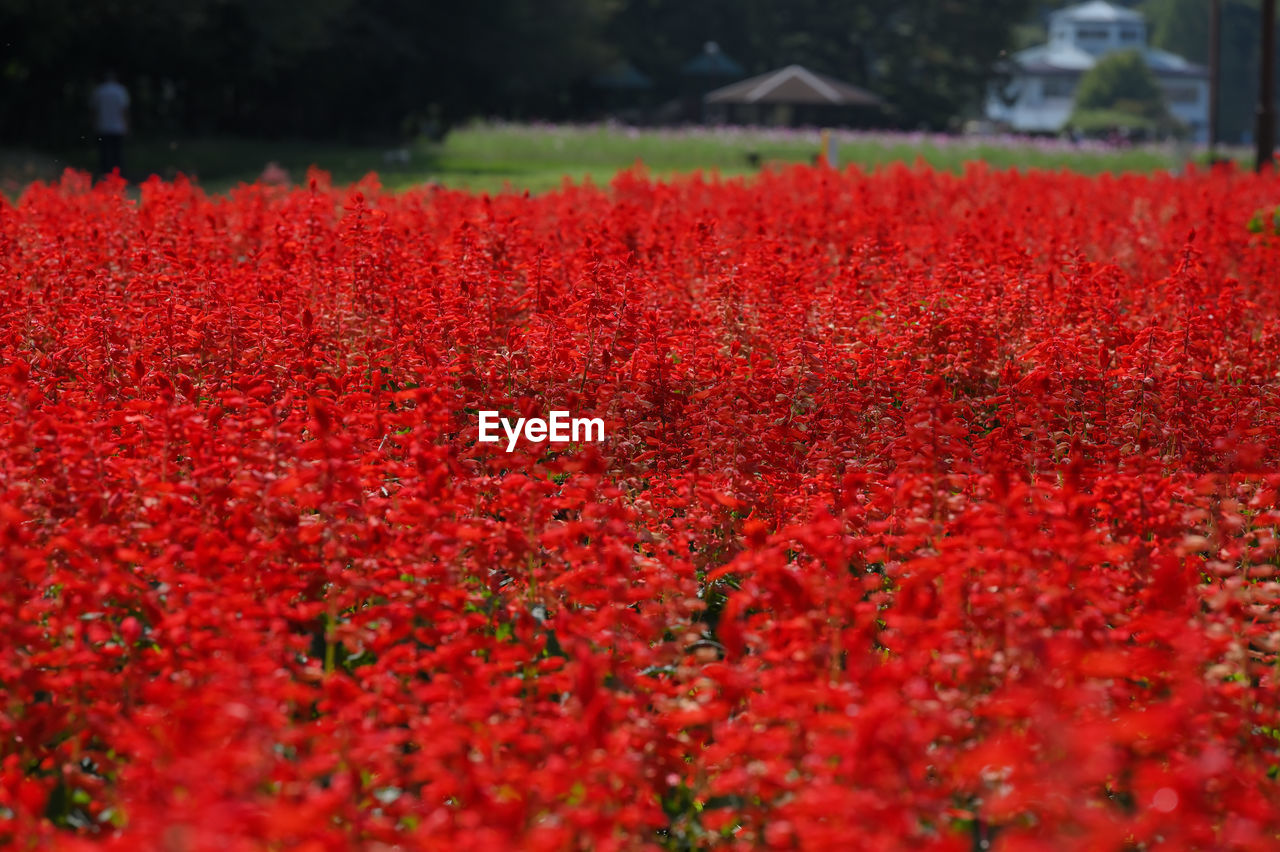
[1120, 93]
[1122, 81]
[370, 70]
[1182, 27]
[197, 64]
[360, 69]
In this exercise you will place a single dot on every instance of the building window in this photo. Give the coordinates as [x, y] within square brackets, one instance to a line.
[1128, 34]
[1182, 94]
[1092, 33]
[1059, 87]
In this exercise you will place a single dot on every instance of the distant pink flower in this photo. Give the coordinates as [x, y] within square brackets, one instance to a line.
[275, 174]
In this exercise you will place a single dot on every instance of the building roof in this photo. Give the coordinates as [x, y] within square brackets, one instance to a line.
[1055, 57]
[1059, 58]
[1164, 62]
[1096, 11]
[712, 62]
[622, 75]
[792, 85]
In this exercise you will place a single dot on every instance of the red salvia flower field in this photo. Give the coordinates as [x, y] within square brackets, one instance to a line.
[934, 512]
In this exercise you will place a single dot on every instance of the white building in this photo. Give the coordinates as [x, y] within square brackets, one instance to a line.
[1041, 92]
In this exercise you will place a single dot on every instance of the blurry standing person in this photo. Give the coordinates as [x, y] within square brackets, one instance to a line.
[110, 103]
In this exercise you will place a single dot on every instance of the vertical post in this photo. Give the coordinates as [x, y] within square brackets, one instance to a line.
[1266, 129]
[1215, 43]
[828, 152]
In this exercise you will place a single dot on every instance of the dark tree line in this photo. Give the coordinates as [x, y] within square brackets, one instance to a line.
[379, 69]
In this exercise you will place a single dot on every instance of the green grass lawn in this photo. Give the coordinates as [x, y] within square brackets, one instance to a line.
[493, 157]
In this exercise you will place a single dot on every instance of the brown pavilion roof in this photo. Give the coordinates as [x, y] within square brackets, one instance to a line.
[792, 85]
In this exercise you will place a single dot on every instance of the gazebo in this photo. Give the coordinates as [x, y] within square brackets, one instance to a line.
[620, 89]
[792, 96]
[711, 64]
[709, 69]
